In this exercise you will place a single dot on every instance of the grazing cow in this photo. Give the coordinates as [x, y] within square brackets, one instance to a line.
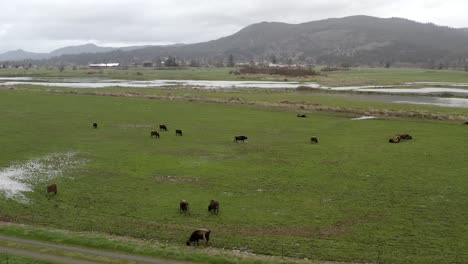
[155, 134]
[213, 206]
[199, 234]
[178, 132]
[163, 127]
[313, 140]
[240, 138]
[466, 123]
[301, 116]
[184, 207]
[405, 136]
[95, 125]
[396, 139]
[52, 188]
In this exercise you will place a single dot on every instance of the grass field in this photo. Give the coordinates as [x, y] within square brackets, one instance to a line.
[12, 259]
[352, 197]
[355, 76]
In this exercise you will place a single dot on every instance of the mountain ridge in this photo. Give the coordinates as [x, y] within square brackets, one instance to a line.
[354, 39]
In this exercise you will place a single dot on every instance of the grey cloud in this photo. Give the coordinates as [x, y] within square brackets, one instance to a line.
[42, 25]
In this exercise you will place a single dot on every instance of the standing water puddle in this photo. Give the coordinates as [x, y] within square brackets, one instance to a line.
[20, 178]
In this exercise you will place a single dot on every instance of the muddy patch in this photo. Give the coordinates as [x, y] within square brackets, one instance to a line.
[176, 179]
[20, 178]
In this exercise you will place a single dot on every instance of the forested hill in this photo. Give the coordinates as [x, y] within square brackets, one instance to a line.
[356, 39]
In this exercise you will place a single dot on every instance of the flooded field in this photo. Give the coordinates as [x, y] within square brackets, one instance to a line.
[101, 83]
[408, 99]
[392, 94]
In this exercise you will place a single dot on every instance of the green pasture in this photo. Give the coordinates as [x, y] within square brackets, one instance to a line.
[354, 76]
[352, 197]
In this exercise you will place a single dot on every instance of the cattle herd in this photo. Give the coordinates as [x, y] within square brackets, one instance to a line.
[199, 234]
[213, 207]
[156, 134]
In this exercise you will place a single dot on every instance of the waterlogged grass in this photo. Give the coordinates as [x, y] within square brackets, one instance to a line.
[352, 77]
[352, 197]
[295, 98]
[391, 76]
[134, 73]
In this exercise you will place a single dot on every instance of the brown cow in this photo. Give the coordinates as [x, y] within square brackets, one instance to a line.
[213, 206]
[52, 188]
[184, 207]
[405, 136]
[199, 234]
[396, 139]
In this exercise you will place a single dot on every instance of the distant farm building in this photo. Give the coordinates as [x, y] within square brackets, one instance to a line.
[103, 65]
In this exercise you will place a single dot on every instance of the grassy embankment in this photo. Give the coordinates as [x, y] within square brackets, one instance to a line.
[353, 197]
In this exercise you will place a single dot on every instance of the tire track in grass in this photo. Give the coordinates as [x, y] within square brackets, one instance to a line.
[42, 256]
[98, 253]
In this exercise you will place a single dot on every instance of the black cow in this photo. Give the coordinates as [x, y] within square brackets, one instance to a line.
[95, 125]
[199, 234]
[301, 116]
[466, 123]
[52, 188]
[163, 127]
[313, 140]
[213, 206]
[184, 207]
[240, 138]
[396, 139]
[155, 134]
[178, 132]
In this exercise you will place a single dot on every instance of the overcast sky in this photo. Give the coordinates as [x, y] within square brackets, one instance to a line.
[44, 25]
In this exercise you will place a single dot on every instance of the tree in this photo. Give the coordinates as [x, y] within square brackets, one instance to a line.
[194, 63]
[273, 59]
[230, 62]
[171, 62]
